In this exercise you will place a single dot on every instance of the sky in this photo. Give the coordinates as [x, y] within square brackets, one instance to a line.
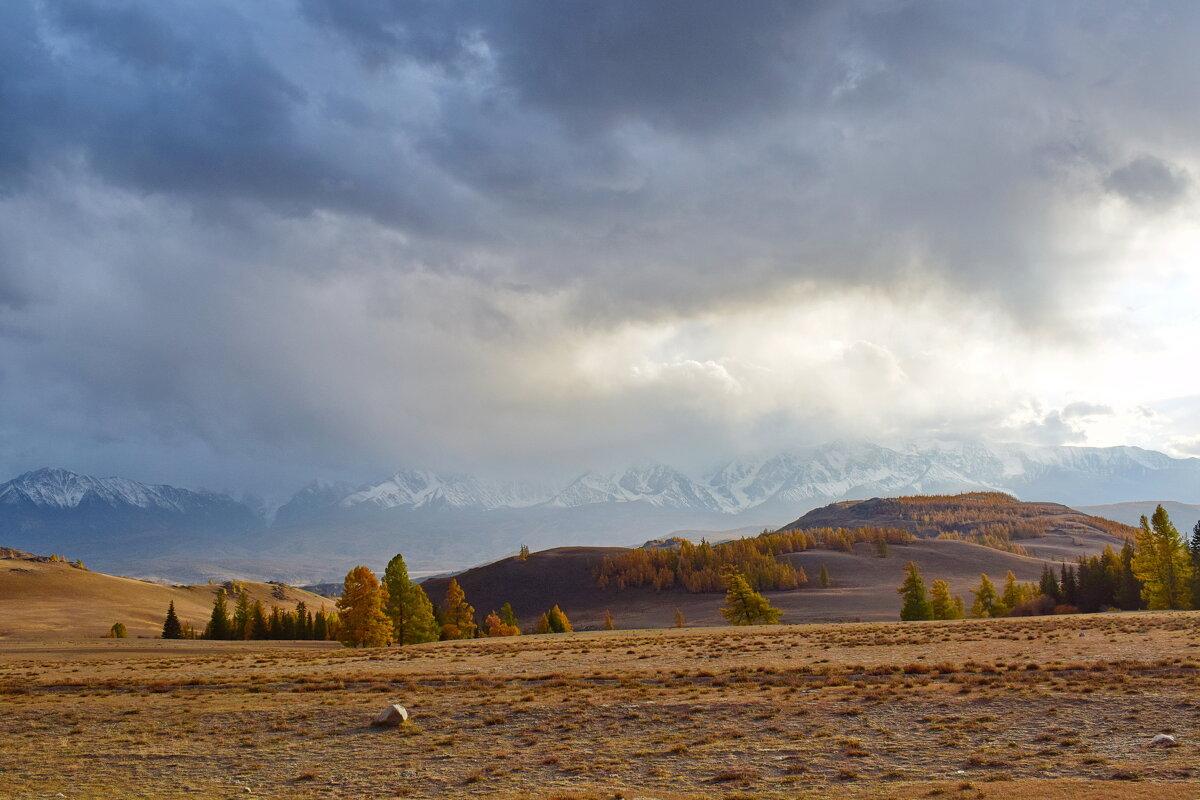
[244, 245]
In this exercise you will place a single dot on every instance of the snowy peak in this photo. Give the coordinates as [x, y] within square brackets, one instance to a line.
[422, 489]
[651, 483]
[61, 489]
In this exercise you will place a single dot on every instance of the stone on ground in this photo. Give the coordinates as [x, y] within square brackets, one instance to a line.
[391, 717]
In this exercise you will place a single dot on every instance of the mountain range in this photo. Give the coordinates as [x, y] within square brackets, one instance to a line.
[449, 521]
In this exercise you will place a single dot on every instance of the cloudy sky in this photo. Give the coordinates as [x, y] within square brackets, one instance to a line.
[243, 245]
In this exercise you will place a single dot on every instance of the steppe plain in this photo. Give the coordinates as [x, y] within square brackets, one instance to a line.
[1049, 707]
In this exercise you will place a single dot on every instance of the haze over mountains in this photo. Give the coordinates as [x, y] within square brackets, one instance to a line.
[452, 521]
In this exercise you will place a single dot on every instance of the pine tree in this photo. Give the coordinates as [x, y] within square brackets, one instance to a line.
[218, 624]
[823, 577]
[303, 631]
[916, 603]
[241, 627]
[171, 627]
[1162, 563]
[1049, 585]
[259, 628]
[363, 621]
[275, 628]
[679, 620]
[1129, 588]
[942, 604]
[743, 605]
[1070, 587]
[320, 626]
[987, 602]
[508, 617]
[1194, 552]
[608, 621]
[408, 606]
[458, 617]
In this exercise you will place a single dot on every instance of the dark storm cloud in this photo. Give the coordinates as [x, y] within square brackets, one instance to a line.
[358, 232]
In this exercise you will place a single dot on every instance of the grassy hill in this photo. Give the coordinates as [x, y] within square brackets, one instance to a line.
[1024, 537]
[45, 599]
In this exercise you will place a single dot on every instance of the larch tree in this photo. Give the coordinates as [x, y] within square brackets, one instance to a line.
[458, 616]
[493, 625]
[608, 621]
[743, 605]
[408, 606]
[987, 601]
[172, 629]
[117, 631]
[942, 603]
[1162, 563]
[679, 620]
[1014, 594]
[823, 577]
[363, 620]
[916, 604]
[508, 616]
[558, 621]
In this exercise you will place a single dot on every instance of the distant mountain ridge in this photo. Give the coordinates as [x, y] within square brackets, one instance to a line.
[450, 521]
[813, 476]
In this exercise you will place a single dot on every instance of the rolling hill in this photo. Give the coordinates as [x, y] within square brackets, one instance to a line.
[864, 584]
[44, 599]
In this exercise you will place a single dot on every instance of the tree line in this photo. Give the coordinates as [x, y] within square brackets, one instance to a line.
[1159, 570]
[702, 567]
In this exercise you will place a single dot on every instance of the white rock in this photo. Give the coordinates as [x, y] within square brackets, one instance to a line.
[1163, 740]
[391, 717]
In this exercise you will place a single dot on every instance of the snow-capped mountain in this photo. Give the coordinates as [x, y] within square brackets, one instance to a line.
[421, 489]
[651, 483]
[62, 490]
[813, 476]
[441, 521]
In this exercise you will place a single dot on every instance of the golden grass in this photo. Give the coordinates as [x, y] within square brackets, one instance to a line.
[1011, 709]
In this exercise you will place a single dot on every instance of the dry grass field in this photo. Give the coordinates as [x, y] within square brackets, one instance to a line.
[53, 600]
[1016, 708]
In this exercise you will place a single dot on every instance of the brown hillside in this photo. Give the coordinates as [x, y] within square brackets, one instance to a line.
[975, 514]
[40, 599]
[864, 585]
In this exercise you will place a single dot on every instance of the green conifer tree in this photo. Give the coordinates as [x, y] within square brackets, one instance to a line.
[408, 606]
[259, 628]
[171, 627]
[743, 605]
[987, 601]
[942, 603]
[242, 622]
[218, 624]
[916, 604]
[1162, 563]
[1049, 585]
